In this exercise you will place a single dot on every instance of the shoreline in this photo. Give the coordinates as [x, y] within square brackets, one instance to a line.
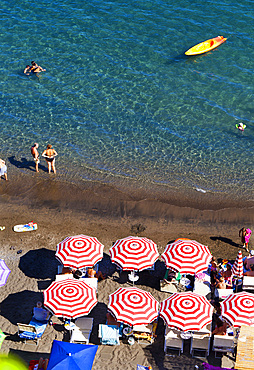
[28, 188]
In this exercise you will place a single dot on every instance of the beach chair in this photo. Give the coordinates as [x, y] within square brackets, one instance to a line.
[173, 341]
[32, 331]
[144, 333]
[200, 342]
[168, 287]
[248, 283]
[63, 277]
[92, 282]
[109, 334]
[82, 330]
[222, 293]
[223, 344]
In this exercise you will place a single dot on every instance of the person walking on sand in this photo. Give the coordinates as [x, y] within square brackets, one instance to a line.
[35, 154]
[245, 234]
[49, 154]
[3, 169]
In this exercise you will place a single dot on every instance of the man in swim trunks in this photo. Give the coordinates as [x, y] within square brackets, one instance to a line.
[35, 68]
[35, 154]
[50, 155]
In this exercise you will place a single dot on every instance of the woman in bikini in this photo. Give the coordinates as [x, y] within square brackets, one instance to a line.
[49, 154]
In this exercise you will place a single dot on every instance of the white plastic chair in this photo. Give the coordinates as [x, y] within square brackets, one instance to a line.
[133, 277]
[173, 340]
[82, 330]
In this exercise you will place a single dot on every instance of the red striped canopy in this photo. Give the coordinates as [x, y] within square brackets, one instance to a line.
[133, 306]
[186, 311]
[70, 298]
[237, 269]
[186, 256]
[134, 253]
[238, 309]
[79, 251]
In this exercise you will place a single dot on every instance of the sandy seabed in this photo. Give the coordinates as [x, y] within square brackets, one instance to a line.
[63, 209]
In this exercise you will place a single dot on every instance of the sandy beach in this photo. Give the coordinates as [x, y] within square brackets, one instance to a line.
[62, 209]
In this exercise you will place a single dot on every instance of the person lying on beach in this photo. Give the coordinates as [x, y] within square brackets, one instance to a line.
[250, 272]
[91, 273]
[49, 154]
[170, 276]
[35, 68]
[40, 313]
[249, 260]
[227, 275]
[220, 328]
[221, 283]
[43, 364]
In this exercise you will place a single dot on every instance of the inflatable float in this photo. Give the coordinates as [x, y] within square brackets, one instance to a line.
[205, 46]
[27, 227]
[240, 126]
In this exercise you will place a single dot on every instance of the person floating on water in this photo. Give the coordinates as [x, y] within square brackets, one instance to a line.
[240, 126]
[35, 68]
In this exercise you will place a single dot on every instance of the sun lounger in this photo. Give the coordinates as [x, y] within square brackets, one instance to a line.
[61, 277]
[248, 283]
[92, 282]
[144, 333]
[173, 340]
[223, 344]
[168, 287]
[222, 293]
[109, 334]
[82, 330]
[32, 331]
[200, 342]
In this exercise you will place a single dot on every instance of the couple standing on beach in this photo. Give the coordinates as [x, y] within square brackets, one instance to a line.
[49, 154]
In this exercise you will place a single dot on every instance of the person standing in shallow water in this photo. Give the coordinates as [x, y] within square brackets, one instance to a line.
[49, 154]
[35, 154]
[3, 169]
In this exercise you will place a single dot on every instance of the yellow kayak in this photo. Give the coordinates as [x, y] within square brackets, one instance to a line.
[205, 46]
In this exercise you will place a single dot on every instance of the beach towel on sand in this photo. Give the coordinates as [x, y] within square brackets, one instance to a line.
[211, 367]
[109, 334]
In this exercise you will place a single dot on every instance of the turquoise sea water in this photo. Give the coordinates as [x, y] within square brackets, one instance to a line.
[120, 101]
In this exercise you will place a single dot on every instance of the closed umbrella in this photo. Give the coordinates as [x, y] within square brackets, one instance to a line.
[237, 269]
[133, 306]
[186, 311]
[70, 298]
[238, 309]
[186, 256]
[79, 251]
[4, 272]
[134, 253]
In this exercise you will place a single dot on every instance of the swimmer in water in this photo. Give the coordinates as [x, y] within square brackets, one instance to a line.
[240, 126]
[35, 68]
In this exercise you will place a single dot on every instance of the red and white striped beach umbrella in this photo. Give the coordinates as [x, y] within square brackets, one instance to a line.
[186, 311]
[238, 309]
[237, 269]
[79, 251]
[133, 306]
[186, 256]
[134, 253]
[70, 298]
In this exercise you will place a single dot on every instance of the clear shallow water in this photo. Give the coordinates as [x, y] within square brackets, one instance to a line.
[120, 101]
